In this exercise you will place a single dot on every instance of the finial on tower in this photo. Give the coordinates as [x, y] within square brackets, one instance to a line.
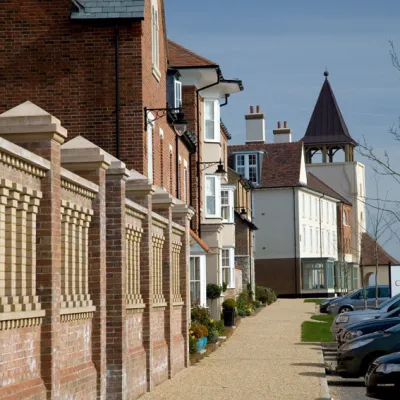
[326, 73]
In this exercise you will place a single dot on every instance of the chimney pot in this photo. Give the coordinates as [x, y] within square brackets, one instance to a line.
[279, 125]
[285, 124]
[251, 110]
[258, 109]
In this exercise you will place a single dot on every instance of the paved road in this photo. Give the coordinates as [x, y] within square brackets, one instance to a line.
[263, 360]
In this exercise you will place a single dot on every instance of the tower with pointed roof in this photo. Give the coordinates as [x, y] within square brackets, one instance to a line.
[327, 131]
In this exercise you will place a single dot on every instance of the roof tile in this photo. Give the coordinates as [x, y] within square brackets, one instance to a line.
[368, 252]
[104, 9]
[179, 56]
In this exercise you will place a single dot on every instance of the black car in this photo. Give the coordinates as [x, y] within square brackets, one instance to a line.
[363, 328]
[383, 378]
[355, 357]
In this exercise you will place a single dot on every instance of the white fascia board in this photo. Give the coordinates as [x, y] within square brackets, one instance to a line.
[318, 194]
[228, 187]
[198, 77]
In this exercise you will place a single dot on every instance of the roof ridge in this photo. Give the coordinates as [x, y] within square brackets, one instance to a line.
[330, 188]
[380, 248]
[192, 53]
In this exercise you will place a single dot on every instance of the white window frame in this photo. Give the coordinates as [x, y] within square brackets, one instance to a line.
[316, 208]
[329, 244]
[202, 281]
[304, 239]
[178, 94]
[310, 207]
[155, 39]
[246, 166]
[217, 121]
[303, 195]
[317, 239]
[311, 240]
[323, 241]
[230, 218]
[334, 240]
[217, 185]
[150, 130]
[185, 179]
[231, 284]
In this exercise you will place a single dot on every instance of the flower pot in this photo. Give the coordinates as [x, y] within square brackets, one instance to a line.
[229, 317]
[201, 344]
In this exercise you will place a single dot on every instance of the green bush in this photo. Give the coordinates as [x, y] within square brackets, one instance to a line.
[244, 304]
[192, 345]
[229, 304]
[265, 295]
[201, 315]
[213, 336]
[224, 287]
[219, 325]
[213, 291]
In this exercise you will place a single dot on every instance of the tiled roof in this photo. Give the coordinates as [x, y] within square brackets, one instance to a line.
[179, 56]
[225, 130]
[201, 242]
[327, 125]
[281, 163]
[107, 9]
[316, 184]
[368, 252]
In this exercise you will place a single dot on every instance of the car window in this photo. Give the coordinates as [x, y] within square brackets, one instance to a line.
[388, 302]
[383, 292]
[370, 293]
[394, 305]
[395, 328]
[357, 295]
[394, 313]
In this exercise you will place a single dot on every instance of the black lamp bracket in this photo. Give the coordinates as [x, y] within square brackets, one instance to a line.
[208, 164]
[160, 113]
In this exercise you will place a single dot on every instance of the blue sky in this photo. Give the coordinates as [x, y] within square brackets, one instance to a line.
[280, 50]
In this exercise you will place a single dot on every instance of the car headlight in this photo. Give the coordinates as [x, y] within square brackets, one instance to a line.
[353, 334]
[342, 319]
[356, 345]
[388, 368]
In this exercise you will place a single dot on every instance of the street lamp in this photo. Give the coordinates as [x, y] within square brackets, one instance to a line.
[220, 169]
[174, 114]
[180, 124]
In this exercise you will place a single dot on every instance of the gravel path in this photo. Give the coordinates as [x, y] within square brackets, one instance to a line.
[264, 359]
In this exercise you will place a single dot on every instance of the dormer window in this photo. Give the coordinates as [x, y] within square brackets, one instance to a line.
[178, 94]
[246, 165]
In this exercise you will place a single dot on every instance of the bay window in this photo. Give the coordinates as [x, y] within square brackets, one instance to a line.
[212, 200]
[178, 94]
[227, 205]
[211, 121]
[228, 267]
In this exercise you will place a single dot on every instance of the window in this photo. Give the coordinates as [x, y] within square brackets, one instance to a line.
[212, 202]
[345, 222]
[303, 198]
[329, 243]
[195, 280]
[227, 267]
[246, 165]
[311, 240]
[185, 179]
[334, 243]
[209, 120]
[150, 152]
[178, 94]
[322, 211]
[198, 280]
[313, 276]
[155, 39]
[317, 239]
[310, 207]
[323, 241]
[315, 208]
[225, 206]
[304, 239]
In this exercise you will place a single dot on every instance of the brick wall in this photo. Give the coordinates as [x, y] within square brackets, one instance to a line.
[68, 68]
[84, 322]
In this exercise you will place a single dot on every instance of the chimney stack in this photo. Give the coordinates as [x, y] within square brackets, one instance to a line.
[282, 135]
[255, 126]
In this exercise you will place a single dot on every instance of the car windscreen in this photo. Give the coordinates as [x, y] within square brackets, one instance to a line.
[393, 313]
[395, 328]
[388, 302]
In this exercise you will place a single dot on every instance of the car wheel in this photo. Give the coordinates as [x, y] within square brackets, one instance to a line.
[345, 309]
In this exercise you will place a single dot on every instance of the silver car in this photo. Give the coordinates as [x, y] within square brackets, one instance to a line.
[355, 301]
[356, 316]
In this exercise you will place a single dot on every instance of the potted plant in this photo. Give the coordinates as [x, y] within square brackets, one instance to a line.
[228, 307]
[200, 333]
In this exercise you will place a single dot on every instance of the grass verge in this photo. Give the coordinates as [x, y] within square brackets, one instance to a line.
[317, 330]
[316, 301]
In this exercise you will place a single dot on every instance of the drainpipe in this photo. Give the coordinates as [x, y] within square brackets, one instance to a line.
[198, 147]
[177, 165]
[226, 101]
[117, 105]
[295, 239]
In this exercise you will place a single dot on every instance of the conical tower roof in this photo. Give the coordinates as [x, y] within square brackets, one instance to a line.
[327, 125]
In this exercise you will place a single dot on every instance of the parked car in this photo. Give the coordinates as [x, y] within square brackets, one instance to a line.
[323, 307]
[355, 301]
[357, 316]
[356, 356]
[384, 371]
[379, 323]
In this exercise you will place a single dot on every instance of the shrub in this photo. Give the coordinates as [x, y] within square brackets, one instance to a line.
[219, 325]
[229, 304]
[265, 295]
[192, 344]
[201, 315]
[213, 336]
[224, 287]
[244, 304]
[213, 291]
[198, 330]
